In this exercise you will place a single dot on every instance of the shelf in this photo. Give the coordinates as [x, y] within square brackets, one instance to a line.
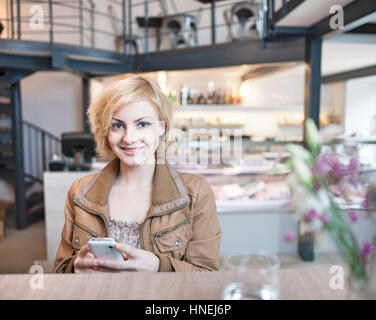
[229, 171]
[208, 126]
[355, 140]
[208, 1]
[222, 107]
[196, 144]
[253, 206]
[231, 107]
[291, 125]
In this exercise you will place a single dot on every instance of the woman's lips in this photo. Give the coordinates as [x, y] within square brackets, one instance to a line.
[131, 151]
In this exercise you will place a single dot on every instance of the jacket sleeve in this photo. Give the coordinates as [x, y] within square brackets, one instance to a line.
[203, 250]
[66, 254]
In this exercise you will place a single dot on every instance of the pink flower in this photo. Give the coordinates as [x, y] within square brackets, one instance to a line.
[290, 236]
[366, 251]
[329, 167]
[354, 216]
[311, 214]
[317, 185]
[366, 203]
[353, 165]
[338, 171]
[325, 219]
[353, 169]
[322, 166]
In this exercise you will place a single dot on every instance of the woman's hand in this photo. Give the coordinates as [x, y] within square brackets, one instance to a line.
[85, 261]
[137, 260]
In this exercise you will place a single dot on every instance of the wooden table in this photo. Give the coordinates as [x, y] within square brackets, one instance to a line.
[301, 282]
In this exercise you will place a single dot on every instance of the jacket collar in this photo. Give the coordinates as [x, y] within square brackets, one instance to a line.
[168, 190]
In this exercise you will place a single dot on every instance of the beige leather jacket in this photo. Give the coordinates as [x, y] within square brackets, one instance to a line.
[181, 227]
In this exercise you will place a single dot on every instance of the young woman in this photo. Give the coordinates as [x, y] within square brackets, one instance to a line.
[162, 220]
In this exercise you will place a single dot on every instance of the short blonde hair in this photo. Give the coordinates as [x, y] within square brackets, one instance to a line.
[121, 91]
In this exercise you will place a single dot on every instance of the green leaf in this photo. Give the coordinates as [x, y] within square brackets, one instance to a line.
[298, 152]
[312, 137]
[278, 170]
[303, 172]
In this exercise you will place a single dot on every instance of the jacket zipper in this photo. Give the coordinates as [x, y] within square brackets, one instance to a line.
[86, 230]
[142, 229]
[93, 212]
[160, 234]
[166, 213]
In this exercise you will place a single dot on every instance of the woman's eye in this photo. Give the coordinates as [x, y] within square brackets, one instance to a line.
[143, 124]
[116, 126]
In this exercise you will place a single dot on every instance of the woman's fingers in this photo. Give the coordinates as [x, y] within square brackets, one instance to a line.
[127, 249]
[103, 269]
[88, 263]
[129, 265]
[89, 255]
[83, 251]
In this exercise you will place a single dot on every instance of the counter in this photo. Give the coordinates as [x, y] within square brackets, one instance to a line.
[247, 225]
[302, 281]
[259, 225]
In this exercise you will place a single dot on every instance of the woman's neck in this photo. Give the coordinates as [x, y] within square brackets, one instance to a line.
[137, 176]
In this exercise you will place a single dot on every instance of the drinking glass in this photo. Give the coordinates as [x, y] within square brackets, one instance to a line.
[256, 276]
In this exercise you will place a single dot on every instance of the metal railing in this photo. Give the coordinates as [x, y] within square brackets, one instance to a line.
[116, 24]
[48, 20]
[39, 147]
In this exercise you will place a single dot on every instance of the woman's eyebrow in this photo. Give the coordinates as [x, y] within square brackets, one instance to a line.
[133, 121]
[143, 118]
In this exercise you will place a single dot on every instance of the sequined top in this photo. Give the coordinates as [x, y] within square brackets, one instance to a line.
[124, 232]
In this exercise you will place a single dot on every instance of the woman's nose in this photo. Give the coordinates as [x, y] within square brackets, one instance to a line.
[130, 136]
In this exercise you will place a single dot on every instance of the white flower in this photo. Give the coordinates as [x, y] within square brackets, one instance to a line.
[324, 198]
[312, 135]
[305, 200]
[303, 172]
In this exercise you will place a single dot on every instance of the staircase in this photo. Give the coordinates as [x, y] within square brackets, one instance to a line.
[6, 147]
[38, 147]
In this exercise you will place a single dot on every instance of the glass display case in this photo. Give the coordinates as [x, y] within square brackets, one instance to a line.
[363, 149]
[237, 169]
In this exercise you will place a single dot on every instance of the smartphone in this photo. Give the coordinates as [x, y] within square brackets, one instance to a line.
[104, 248]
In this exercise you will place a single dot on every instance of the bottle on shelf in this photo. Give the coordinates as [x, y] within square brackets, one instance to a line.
[209, 99]
[194, 96]
[183, 95]
[230, 98]
[189, 98]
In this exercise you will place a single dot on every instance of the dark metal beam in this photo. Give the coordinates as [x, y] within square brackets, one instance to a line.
[347, 75]
[368, 28]
[25, 62]
[18, 19]
[290, 31]
[220, 55]
[311, 110]
[213, 31]
[85, 103]
[351, 13]
[12, 77]
[87, 66]
[313, 80]
[287, 9]
[17, 137]
[44, 47]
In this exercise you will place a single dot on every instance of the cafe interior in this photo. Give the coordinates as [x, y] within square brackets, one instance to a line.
[243, 79]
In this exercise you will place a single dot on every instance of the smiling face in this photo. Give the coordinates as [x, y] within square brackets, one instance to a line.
[134, 133]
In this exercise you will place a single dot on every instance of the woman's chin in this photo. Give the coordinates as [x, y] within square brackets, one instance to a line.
[135, 160]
